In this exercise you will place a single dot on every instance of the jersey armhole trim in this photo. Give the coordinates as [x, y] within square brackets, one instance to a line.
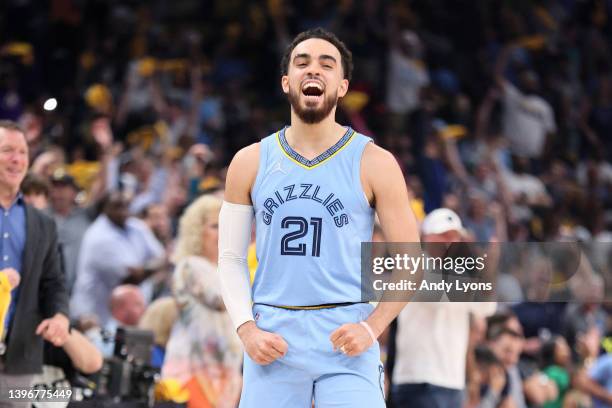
[356, 176]
[261, 168]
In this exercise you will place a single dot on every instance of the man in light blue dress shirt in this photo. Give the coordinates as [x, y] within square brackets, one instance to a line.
[116, 249]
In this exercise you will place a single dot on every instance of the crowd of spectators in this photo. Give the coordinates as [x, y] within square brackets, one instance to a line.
[498, 110]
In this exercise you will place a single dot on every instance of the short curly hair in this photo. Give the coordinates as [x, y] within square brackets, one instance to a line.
[189, 240]
[323, 34]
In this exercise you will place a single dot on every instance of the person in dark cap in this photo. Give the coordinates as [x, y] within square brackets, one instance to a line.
[72, 221]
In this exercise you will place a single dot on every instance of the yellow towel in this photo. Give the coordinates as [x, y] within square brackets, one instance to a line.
[5, 301]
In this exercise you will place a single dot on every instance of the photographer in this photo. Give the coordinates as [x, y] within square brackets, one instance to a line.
[126, 305]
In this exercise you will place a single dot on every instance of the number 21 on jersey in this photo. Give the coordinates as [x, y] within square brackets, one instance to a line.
[290, 248]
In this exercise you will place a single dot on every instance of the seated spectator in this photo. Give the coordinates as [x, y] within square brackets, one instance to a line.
[127, 306]
[601, 372]
[580, 318]
[539, 316]
[489, 388]
[588, 379]
[556, 360]
[506, 340]
[506, 345]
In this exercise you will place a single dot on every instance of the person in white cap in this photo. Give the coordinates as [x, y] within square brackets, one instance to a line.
[442, 225]
[432, 337]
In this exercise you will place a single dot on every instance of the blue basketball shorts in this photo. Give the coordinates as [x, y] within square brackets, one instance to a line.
[311, 370]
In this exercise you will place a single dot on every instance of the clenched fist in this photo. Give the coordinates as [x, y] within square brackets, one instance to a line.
[351, 339]
[263, 347]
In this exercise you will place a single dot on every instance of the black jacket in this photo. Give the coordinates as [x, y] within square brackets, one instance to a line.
[42, 294]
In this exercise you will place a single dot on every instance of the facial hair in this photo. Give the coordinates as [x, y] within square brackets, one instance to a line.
[311, 115]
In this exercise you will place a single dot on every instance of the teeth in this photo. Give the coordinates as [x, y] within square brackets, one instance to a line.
[312, 84]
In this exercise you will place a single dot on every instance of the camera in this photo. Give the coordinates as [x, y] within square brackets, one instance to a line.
[127, 376]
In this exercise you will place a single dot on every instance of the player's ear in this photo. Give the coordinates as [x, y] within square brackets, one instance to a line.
[285, 83]
[343, 88]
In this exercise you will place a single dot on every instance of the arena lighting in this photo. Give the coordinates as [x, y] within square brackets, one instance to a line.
[50, 104]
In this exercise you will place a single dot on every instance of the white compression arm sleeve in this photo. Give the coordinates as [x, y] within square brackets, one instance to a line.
[235, 223]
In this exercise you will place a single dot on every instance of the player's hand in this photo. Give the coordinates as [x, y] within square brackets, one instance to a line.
[54, 329]
[351, 339]
[263, 347]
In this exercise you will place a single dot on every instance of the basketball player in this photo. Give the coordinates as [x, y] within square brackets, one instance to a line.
[313, 188]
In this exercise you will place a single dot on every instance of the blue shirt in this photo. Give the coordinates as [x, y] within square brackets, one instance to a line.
[311, 217]
[12, 244]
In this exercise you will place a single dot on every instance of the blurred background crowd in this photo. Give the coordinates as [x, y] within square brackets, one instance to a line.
[498, 110]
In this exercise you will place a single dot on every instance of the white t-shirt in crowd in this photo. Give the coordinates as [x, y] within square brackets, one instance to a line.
[604, 171]
[432, 342]
[527, 120]
[524, 184]
[406, 78]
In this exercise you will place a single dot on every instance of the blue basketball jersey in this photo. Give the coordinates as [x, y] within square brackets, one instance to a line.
[311, 217]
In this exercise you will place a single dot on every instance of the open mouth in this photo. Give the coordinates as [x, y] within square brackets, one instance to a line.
[14, 172]
[313, 91]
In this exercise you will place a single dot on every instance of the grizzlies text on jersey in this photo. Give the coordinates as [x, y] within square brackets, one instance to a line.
[311, 217]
